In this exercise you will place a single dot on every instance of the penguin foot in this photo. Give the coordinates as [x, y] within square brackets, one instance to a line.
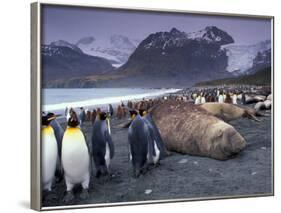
[98, 174]
[84, 194]
[69, 197]
[136, 174]
[59, 178]
[157, 164]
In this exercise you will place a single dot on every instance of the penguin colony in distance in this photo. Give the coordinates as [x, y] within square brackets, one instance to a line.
[102, 145]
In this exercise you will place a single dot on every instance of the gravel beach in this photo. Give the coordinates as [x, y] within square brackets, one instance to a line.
[180, 176]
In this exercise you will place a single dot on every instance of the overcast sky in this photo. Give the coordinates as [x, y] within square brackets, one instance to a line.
[74, 23]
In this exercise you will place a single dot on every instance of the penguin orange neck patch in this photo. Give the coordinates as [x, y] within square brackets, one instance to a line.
[47, 129]
[72, 130]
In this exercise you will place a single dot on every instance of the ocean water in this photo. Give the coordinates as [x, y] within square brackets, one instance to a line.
[58, 99]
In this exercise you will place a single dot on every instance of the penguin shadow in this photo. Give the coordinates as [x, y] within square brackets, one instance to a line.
[146, 170]
[112, 177]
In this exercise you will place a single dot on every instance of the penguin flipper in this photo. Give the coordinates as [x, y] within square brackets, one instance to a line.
[110, 144]
[58, 134]
[150, 143]
[157, 137]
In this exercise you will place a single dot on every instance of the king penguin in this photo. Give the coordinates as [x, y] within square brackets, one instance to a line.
[158, 144]
[102, 145]
[49, 151]
[141, 149]
[59, 135]
[75, 158]
[110, 110]
[82, 115]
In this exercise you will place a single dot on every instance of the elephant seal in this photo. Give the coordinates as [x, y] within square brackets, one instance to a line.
[269, 97]
[260, 106]
[189, 129]
[267, 104]
[229, 112]
[250, 99]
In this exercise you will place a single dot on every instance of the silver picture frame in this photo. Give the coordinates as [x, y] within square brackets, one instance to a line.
[36, 33]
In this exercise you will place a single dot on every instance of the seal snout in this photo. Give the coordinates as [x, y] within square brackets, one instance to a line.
[233, 141]
[227, 142]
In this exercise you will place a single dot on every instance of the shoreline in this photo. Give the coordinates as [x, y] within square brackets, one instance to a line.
[103, 102]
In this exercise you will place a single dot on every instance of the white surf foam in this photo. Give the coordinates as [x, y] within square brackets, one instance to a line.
[107, 100]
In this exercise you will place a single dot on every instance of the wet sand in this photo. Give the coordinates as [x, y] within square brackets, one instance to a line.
[181, 176]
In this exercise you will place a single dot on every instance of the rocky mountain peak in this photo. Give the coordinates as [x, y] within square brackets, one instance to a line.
[86, 40]
[175, 31]
[176, 38]
[62, 43]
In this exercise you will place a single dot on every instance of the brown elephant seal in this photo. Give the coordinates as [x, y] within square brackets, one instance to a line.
[229, 112]
[189, 129]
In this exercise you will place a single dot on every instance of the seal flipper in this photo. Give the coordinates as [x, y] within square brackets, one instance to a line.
[251, 116]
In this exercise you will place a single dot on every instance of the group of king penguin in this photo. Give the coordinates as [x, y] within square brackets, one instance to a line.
[66, 154]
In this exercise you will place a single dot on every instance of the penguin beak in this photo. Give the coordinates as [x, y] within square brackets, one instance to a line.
[133, 116]
[52, 118]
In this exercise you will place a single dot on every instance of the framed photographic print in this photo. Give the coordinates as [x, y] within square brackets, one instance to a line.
[137, 105]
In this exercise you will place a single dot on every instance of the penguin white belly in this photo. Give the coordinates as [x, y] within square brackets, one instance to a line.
[197, 100]
[234, 100]
[157, 153]
[67, 116]
[75, 156]
[130, 154]
[221, 100]
[49, 156]
[203, 100]
[107, 155]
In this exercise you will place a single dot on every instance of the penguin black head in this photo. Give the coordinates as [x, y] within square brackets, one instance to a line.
[102, 116]
[47, 118]
[73, 120]
[133, 114]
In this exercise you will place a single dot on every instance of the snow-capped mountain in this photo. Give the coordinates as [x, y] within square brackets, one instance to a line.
[240, 57]
[179, 57]
[176, 38]
[211, 34]
[63, 62]
[62, 43]
[261, 61]
[116, 48]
